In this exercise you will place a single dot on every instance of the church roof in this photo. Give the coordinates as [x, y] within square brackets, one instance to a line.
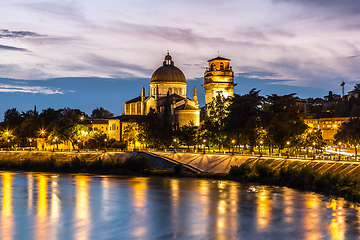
[187, 106]
[137, 99]
[127, 118]
[219, 58]
[168, 72]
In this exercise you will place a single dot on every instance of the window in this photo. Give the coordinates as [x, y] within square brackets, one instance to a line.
[113, 126]
[222, 66]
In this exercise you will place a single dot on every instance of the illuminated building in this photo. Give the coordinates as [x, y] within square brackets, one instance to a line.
[327, 126]
[167, 79]
[218, 77]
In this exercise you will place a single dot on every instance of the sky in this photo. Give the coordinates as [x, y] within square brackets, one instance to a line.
[88, 53]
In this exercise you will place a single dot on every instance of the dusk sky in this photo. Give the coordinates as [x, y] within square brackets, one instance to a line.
[88, 54]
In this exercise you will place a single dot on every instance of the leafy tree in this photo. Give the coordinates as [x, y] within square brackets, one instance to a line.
[282, 119]
[212, 131]
[349, 132]
[73, 133]
[101, 113]
[131, 132]
[150, 129]
[244, 119]
[188, 134]
[12, 117]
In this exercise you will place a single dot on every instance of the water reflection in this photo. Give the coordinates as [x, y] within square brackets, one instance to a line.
[82, 214]
[6, 211]
[312, 218]
[55, 207]
[337, 226]
[263, 214]
[139, 187]
[42, 217]
[44, 206]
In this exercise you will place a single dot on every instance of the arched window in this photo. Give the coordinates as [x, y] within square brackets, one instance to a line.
[212, 67]
[170, 91]
[221, 66]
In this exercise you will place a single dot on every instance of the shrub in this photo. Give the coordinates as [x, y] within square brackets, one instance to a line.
[137, 164]
[178, 168]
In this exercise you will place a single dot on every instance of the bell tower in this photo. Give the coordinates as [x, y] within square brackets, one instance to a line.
[218, 77]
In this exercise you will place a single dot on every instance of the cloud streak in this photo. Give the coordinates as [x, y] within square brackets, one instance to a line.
[8, 88]
[11, 48]
[4, 33]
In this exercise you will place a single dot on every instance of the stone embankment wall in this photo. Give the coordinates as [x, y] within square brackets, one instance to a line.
[163, 162]
[222, 163]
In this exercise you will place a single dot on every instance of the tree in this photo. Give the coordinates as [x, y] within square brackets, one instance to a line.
[12, 117]
[73, 133]
[244, 118]
[212, 131]
[188, 134]
[131, 132]
[150, 128]
[101, 113]
[282, 119]
[349, 132]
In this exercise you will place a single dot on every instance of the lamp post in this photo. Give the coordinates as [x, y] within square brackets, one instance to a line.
[314, 150]
[30, 143]
[105, 140]
[143, 143]
[288, 146]
[204, 144]
[261, 142]
[8, 141]
[78, 145]
[174, 145]
[339, 150]
[233, 143]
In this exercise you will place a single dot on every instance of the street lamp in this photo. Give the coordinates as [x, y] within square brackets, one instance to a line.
[105, 140]
[261, 142]
[30, 143]
[314, 150]
[339, 150]
[8, 141]
[233, 142]
[288, 143]
[174, 145]
[78, 145]
[204, 145]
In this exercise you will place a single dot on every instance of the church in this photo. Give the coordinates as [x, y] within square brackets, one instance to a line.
[167, 79]
[218, 77]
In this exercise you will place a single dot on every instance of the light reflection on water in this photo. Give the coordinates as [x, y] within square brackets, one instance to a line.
[46, 206]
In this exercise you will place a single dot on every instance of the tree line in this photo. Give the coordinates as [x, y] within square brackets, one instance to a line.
[249, 120]
[54, 126]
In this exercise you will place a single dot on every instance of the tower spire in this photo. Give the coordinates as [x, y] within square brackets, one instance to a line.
[195, 95]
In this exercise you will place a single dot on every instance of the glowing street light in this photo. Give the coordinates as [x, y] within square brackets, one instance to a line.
[30, 143]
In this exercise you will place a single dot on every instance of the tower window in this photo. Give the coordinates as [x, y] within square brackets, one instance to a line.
[212, 67]
[222, 66]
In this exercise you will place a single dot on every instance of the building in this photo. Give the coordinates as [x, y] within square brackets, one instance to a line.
[167, 79]
[218, 77]
[327, 126]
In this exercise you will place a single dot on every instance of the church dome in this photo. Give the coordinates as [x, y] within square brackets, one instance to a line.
[168, 72]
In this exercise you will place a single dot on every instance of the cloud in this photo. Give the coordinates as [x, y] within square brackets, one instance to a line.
[117, 68]
[27, 89]
[4, 33]
[4, 47]
[336, 6]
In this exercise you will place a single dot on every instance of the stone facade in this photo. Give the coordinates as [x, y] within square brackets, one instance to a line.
[218, 77]
[167, 79]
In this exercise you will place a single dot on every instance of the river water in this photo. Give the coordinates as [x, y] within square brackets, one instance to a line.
[50, 206]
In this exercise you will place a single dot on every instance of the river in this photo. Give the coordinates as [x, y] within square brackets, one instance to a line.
[78, 206]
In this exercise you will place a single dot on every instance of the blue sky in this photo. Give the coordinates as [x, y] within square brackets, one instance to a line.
[87, 54]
